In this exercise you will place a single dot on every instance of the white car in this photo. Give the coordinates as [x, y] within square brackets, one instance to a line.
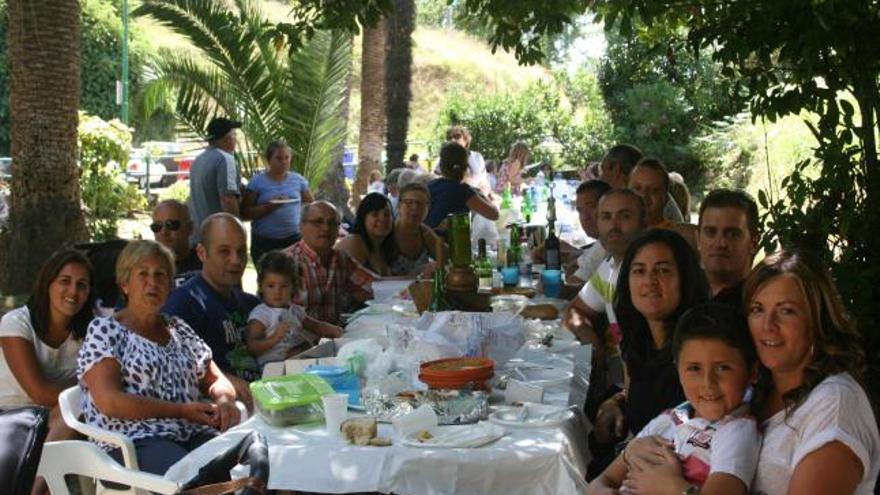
[136, 169]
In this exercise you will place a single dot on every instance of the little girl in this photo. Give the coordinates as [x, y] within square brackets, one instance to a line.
[714, 440]
[276, 328]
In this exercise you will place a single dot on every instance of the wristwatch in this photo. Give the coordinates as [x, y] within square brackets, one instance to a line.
[691, 490]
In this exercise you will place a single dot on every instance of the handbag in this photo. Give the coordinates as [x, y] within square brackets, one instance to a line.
[213, 478]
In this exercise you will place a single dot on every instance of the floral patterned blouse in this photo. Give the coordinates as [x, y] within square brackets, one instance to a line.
[170, 372]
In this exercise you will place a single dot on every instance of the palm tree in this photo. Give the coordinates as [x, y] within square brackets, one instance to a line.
[242, 70]
[372, 130]
[44, 63]
[398, 75]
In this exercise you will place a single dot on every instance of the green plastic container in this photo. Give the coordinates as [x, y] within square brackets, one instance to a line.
[290, 400]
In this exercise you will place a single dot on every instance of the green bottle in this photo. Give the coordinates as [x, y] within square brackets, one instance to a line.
[484, 267]
[438, 282]
[506, 198]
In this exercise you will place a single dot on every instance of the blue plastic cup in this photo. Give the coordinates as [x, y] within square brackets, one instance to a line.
[552, 281]
[510, 276]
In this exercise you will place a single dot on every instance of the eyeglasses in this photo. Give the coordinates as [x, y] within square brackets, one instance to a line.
[413, 202]
[323, 222]
[171, 225]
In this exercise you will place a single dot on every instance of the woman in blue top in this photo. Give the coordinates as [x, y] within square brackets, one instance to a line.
[273, 201]
[450, 195]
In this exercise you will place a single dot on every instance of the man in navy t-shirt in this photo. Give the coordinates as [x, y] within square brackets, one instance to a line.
[213, 304]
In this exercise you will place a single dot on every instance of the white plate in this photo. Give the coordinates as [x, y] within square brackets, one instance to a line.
[536, 416]
[457, 436]
[283, 201]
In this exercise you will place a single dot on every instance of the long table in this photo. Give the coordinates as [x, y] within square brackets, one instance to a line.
[524, 461]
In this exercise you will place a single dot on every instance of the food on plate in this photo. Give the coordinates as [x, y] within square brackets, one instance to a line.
[359, 431]
[540, 311]
[424, 436]
[380, 442]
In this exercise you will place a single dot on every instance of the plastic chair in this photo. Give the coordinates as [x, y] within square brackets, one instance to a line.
[75, 457]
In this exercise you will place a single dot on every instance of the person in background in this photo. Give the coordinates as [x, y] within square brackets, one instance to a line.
[414, 164]
[273, 200]
[449, 193]
[376, 184]
[332, 282]
[414, 241]
[393, 189]
[650, 180]
[492, 174]
[587, 203]
[173, 228]
[475, 176]
[616, 167]
[371, 240]
[213, 304]
[215, 179]
[142, 371]
[727, 239]
[512, 168]
[679, 191]
[40, 340]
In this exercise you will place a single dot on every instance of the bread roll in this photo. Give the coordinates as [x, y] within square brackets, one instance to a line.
[359, 431]
[540, 311]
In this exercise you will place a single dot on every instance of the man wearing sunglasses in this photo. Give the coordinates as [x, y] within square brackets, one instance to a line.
[331, 281]
[172, 228]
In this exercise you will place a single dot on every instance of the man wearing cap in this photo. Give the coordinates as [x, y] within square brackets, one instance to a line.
[215, 180]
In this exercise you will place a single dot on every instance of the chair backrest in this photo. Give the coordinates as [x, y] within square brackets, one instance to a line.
[70, 404]
[22, 433]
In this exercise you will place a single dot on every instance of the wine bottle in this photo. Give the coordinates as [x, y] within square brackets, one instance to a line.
[484, 267]
[438, 283]
[551, 250]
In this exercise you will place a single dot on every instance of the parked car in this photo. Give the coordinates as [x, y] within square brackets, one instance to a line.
[169, 154]
[136, 170]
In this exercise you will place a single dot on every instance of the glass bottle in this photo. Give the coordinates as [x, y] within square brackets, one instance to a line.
[484, 267]
[438, 283]
[460, 239]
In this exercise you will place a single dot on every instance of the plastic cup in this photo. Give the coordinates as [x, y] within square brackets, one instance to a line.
[552, 281]
[335, 411]
[510, 276]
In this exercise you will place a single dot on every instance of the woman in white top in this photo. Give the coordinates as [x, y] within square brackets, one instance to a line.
[820, 434]
[40, 340]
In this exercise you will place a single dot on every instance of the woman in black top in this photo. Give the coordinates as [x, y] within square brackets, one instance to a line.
[660, 279]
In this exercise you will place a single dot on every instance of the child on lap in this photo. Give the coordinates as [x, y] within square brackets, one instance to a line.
[714, 440]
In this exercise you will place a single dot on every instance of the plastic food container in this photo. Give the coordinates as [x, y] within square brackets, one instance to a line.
[341, 379]
[290, 400]
[457, 373]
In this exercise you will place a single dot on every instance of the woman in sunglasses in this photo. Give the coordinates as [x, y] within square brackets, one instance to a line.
[273, 201]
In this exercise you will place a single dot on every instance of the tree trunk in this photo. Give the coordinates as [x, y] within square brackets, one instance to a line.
[44, 69]
[372, 108]
[332, 188]
[397, 80]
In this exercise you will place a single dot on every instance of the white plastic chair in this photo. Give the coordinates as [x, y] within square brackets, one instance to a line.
[86, 459]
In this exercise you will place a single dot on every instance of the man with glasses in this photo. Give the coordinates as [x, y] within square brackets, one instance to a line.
[215, 180]
[331, 282]
[172, 228]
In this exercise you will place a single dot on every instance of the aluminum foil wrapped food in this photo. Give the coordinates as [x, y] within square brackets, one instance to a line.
[453, 407]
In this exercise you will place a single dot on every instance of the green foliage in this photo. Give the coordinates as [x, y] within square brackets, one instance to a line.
[561, 120]
[242, 71]
[104, 148]
[179, 191]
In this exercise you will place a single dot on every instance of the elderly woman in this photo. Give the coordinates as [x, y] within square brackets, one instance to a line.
[415, 242]
[141, 371]
[273, 200]
[40, 340]
[450, 195]
[820, 433]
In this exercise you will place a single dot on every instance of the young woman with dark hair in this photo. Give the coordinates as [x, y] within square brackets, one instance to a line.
[371, 241]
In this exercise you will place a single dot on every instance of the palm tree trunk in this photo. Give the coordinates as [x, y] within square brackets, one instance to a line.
[398, 75]
[372, 132]
[333, 188]
[44, 69]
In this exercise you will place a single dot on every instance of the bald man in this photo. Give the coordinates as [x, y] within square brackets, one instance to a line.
[212, 302]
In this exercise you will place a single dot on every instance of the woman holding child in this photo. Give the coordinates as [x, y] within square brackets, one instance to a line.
[819, 431]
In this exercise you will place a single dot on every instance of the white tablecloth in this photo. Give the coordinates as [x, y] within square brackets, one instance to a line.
[524, 461]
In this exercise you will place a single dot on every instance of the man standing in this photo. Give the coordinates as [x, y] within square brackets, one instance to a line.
[621, 216]
[727, 239]
[332, 282]
[212, 302]
[172, 228]
[616, 167]
[215, 180]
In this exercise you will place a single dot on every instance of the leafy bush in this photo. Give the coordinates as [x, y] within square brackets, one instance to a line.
[104, 148]
[179, 191]
[562, 120]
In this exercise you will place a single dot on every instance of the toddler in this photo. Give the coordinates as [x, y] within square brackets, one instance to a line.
[713, 438]
[277, 329]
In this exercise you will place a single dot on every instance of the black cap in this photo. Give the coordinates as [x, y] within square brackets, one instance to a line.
[219, 127]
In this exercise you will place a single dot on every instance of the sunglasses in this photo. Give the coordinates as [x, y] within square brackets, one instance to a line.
[171, 225]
